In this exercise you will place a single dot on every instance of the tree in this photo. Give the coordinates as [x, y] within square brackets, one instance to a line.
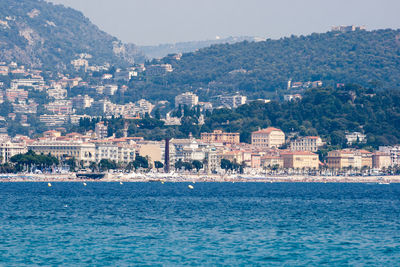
[141, 162]
[106, 164]
[158, 165]
[197, 165]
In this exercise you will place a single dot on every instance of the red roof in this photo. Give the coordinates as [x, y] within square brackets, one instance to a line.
[268, 130]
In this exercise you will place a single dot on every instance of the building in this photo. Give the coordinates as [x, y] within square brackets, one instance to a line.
[82, 102]
[16, 94]
[394, 152]
[9, 149]
[142, 107]
[233, 101]
[268, 138]
[60, 107]
[186, 99]
[101, 130]
[57, 93]
[381, 160]
[339, 159]
[159, 69]
[36, 83]
[80, 151]
[53, 120]
[120, 153]
[219, 136]
[307, 143]
[351, 28]
[356, 137]
[300, 160]
[268, 161]
[110, 89]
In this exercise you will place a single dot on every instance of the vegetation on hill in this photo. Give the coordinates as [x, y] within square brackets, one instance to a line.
[326, 112]
[41, 34]
[262, 69]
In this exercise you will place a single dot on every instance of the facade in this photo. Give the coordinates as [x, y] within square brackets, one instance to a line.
[233, 101]
[186, 99]
[381, 160]
[121, 153]
[82, 102]
[16, 94]
[356, 137]
[300, 160]
[81, 151]
[219, 136]
[268, 138]
[394, 152]
[307, 143]
[101, 130]
[271, 161]
[60, 107]
[9, 149]
[57, 93]
[339, 159]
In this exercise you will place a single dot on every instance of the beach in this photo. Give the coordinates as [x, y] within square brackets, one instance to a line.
[175, 177]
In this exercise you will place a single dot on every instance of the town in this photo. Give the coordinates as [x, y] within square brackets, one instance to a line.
[55, 105]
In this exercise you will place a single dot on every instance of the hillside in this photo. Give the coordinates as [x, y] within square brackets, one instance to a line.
[41, 34]
[162, 50]
[259, 69]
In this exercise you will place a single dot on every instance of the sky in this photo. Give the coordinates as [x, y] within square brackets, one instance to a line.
[152, 22]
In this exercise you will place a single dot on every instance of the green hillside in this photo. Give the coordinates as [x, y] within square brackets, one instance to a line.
[258, 69]
[41, 34]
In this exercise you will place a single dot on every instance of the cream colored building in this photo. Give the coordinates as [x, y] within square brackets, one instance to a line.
[300, 160]
[219, 136]
[81, 151]
[120, 153]
[381, 160]
[155, 151]
[270, 161]
[187, 99]
[9, 149]
[307, 143]
[339, 159]
[268, 138]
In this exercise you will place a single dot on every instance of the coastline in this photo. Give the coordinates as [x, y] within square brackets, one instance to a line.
[70, 177]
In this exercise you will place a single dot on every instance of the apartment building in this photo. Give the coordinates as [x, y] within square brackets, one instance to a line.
[394, 152]
[81, 151]
[307, 143]
[381, 160]
[268, 138]
[218, 136]
[60, 107]
[300, 160]
[339, 159]
[186, 99]
[233, 101]
[9, 149]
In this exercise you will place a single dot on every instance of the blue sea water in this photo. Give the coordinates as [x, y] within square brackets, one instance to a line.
[109, 224]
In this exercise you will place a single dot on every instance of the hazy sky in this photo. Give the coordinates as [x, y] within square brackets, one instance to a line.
[169, 21]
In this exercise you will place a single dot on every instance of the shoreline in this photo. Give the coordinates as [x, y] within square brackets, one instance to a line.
[184, 178]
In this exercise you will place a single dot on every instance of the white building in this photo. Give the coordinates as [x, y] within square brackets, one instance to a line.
[101, 130]
[82, 102]
[268, 138]
[356, 137]
[233, 101]
[9, 149]
[394, 152]
[186, 99]
[307, 143]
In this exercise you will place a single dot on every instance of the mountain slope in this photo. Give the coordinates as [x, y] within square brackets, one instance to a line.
[162, 50]
[41, 34]
[258, 69]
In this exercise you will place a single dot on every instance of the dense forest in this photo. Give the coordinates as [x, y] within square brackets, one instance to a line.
[262, 69]
[41, 34]
[327, 112]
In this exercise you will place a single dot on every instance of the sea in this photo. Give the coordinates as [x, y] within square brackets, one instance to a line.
[223, 224]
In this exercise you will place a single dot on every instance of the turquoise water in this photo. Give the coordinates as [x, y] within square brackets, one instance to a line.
[105, 224]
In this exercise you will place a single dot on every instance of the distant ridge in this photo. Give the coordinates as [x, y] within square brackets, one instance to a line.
[162, 50]
[41, 34]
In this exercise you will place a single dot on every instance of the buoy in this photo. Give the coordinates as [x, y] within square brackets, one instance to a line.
[49, 184]
[84, 184]
[120, 183]
[190, 186]
[162, 182]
